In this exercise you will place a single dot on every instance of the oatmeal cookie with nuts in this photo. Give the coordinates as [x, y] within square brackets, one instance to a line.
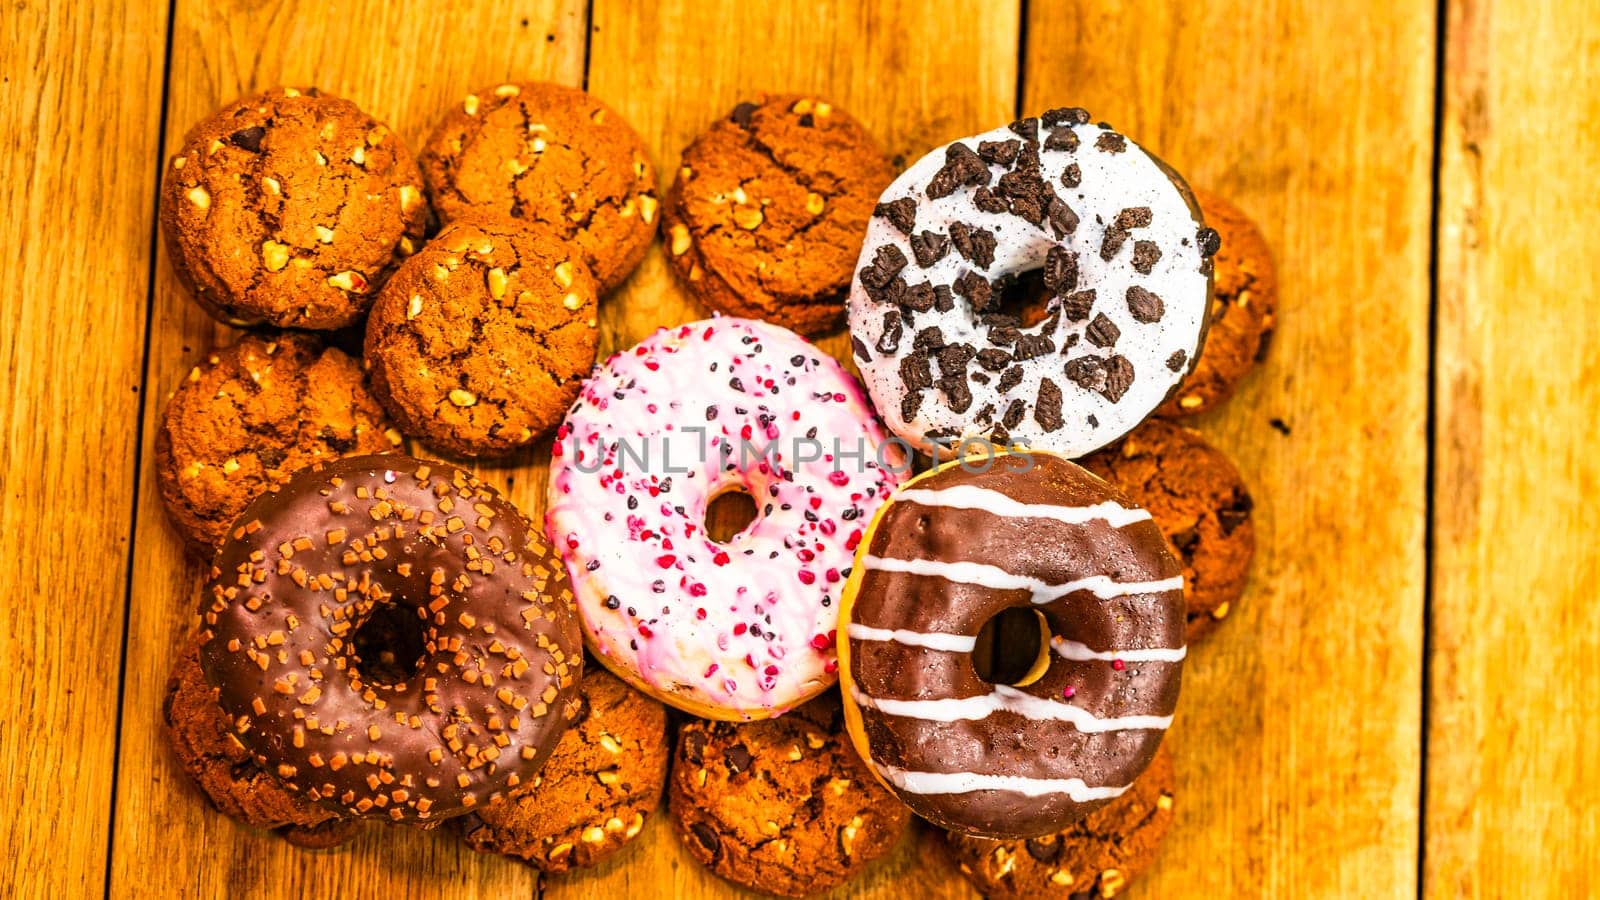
[552, 155]
[1244, 310]
[592, 797]
[1094, 858]
[479, 343]
[782, 805]
[251, 415]
[769, 210]
[290, 207]
[201, 738]
[1200, 503]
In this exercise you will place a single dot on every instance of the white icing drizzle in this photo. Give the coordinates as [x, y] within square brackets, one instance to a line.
[967, 782]
[1008, 699]
[967, 496]
[933, 640]
[999, 579]
[1080, 652]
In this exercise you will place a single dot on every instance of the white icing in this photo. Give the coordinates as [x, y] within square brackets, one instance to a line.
[967, 496]
[1004, 698]
[967, 782]
[1111, 182]
[933, 640]
[999, 579]
[1081, 652]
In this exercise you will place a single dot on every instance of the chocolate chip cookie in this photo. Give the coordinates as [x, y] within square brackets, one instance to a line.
[290, 207]
[480, 342]
[552, 155]
[782, 805]
[249, 416]
[769, 210]
[1244, 309]
[1201, 504]
[201, 738]
[592, 797]
[1095, 857]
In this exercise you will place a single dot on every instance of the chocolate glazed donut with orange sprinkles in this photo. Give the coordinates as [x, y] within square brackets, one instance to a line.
[406, 555]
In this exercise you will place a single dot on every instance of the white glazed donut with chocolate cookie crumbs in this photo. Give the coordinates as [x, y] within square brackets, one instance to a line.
[1125, 258]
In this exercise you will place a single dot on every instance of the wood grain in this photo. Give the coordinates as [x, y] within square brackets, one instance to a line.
[1297, 741]
[874, 60]
[1512, 765]
[76, 158]
[406, 69]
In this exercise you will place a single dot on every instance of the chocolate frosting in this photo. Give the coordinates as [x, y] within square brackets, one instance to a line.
[308, 565]
[1014, 536]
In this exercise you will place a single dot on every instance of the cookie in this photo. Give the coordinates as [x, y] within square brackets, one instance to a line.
[553, 155]
[781, 805]
[593, 795]
[769, 210]
[1095, 857]
[482, 339]
[248, 417]
[201, 738]
[1201, 504]
[1244, 307]
[290, 207]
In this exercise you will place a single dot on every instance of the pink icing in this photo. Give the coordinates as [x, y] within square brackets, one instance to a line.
[748, 625]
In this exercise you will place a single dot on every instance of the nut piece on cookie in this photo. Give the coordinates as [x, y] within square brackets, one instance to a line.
[290, 207]
[782, 805]
[594, 794]
[480, 341]
[1244, 310]
[1094, 858]
[250, 415]
[1201, 504]
[550, 155]
[199, 734]
[769, 210]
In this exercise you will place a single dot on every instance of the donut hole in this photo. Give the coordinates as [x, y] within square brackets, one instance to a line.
[729, 513]
[1024, 298]
[1013, 647]
[387, 647]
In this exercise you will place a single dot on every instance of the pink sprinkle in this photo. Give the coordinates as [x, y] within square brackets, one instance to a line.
[816, 502]
[832, 575]
[1118, 665]
[838, 398]
[1068, 691]
[854, 539]
[772, 671]
[697, 590]
[555, 449]
[700, 614]
[666, 560]
[839, 477]
[710, 670]
[740, 628]
[831, 666]
[721, 558]
[820, 642]
[806, 577]
[652, 365]
[572, 542]
[644, 630]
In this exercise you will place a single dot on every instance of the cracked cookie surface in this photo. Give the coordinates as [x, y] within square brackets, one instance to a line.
[198, 732]
[480, 342]
[1094, 858]
[290, 207]
[548, 154]
[593, 795]
[769, 210]
[249, 416]
[1244, 309]
[1200, 503]
[782, 805]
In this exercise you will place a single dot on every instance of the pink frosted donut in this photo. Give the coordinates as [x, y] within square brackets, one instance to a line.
[743, 629]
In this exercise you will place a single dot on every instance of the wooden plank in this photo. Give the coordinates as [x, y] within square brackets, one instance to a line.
[80, 145]
[915, 80]
[1512, 773]
[1298, 733]
[406, 68]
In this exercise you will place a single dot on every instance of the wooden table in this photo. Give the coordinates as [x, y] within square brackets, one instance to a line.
[1399, 704]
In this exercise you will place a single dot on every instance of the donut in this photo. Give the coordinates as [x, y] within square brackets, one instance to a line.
[954, 549]
[1124, 258]
[371, 545]
[742, 629]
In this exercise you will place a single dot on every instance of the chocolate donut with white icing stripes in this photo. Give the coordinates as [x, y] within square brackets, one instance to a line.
[953, 549]
[1126, 263]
